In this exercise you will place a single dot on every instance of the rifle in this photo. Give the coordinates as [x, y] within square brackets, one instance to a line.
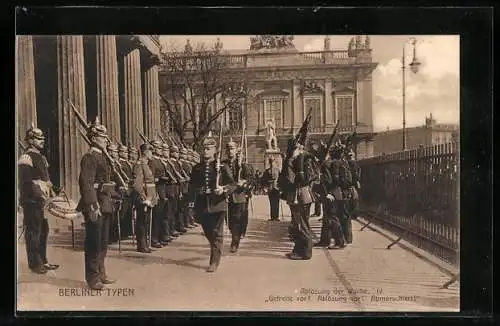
[330, 142]
[23, 147]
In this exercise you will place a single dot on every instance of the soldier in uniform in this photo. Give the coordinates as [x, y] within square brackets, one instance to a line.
[35, 188]
[126, 206]
[187, 166]
[270, 181]
[172, 193]
[183, 180]
[158, 168]
[351, 191]
[241, 174]
[295, 181]
[96, 204]
[208, 188]
[248, 193]
[116, 199]
[145, 196]
[332, 182]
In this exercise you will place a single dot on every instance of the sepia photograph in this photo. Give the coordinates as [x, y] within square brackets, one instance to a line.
[260, 173]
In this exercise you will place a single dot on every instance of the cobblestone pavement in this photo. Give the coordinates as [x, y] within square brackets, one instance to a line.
[363, 277]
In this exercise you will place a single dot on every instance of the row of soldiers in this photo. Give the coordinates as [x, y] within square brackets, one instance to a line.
[157, 193]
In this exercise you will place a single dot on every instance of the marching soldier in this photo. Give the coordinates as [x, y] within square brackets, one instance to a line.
[270, 181]
[96, 191]
[208, 187]
[145, 196]
[159, 173]
[126, 208]
[241, 174]
[351, 193]
[332, 181]
[35, 189]
[295, 181]
[248, 193]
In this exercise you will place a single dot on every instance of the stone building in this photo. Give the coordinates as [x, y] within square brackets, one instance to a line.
[113, 77]
[431, 133]
[286, 83]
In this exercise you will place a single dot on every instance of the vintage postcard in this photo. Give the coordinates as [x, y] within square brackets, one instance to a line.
[238, 173]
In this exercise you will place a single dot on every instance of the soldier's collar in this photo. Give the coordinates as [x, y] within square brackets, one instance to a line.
[34, 150]
[95, 149]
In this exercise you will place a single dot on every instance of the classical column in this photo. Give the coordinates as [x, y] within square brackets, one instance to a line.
[328, 104]
[71, 87]
[25, 85]
[133, 97]
[107, 84]
[151, 101]
[297, 106]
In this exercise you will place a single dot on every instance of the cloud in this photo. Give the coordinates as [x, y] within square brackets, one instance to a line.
[433, 89]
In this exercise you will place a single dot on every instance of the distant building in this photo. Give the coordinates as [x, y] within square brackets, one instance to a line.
[431, 133]
[286, 83]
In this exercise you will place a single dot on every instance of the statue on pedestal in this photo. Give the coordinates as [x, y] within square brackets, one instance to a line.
[271, 140]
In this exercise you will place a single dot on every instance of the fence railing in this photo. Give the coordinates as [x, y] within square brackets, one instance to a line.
[416, 193]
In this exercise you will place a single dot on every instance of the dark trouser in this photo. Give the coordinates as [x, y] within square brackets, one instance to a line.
[244, 224]
[36, 233]
[317, 208]
[345, 220]
[235, 221]
[303, 234]
[331, 227]
[213, 227]
[158, 217]
[178, 217]
[96, 247]
[172, 214]
[142, 226]
[184, 210]
[165, 231]
[274, 203]
[125, 215]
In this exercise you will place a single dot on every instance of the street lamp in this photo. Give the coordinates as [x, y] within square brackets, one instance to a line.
[414, 67]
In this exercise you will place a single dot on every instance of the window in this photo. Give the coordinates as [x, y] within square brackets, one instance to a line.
[235, 116]
[273, 108]
[345, 105]
[314, 104]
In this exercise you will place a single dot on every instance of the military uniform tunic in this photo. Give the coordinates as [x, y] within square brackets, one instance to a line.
[158, 170]
[96, 190]
[210, 208]
[33, 169]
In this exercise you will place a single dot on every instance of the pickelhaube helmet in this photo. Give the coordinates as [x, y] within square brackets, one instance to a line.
[144, 147]
[113, 148]
[157, 144]
[209, 141]
[231, 143]
[132, 150]
[34, 133]
[123, 148]
[165, 146]
[174, 148]
[97, 129]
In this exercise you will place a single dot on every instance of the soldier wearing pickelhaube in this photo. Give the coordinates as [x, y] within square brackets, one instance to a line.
[208, 188]
[247, 190]
[295, 182]
[242, 175]
[116, 198]
[159, 173]
[351, 172]
[183, 180]
[96, 204]
[333, 180]
[133, 155]
[145, 196]
[171, 192]
[125, 213]
[270, 181]
[35, 188]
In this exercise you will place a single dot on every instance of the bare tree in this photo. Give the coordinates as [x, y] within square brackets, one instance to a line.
[193, 81]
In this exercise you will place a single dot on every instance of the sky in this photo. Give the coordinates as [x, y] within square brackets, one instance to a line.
[434, 89]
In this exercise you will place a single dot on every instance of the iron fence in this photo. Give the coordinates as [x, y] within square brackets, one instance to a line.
[416, 194]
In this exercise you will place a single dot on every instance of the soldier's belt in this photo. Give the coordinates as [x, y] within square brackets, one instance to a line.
[206, 191]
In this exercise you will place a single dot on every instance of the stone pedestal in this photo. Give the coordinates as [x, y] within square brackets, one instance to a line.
[25, 85]
[275, 155]
[107, 84]
[71, 86]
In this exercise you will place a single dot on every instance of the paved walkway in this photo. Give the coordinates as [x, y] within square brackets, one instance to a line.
[363, 277]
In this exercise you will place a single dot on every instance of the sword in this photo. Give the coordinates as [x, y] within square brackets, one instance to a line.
[150, 224]
[134, 212]
[118, 215]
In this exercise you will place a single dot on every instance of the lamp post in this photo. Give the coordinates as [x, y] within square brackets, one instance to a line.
[414, 67]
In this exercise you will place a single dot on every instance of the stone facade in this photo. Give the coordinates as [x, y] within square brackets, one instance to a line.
[431, 133]
[113, 77]
[286, 83]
